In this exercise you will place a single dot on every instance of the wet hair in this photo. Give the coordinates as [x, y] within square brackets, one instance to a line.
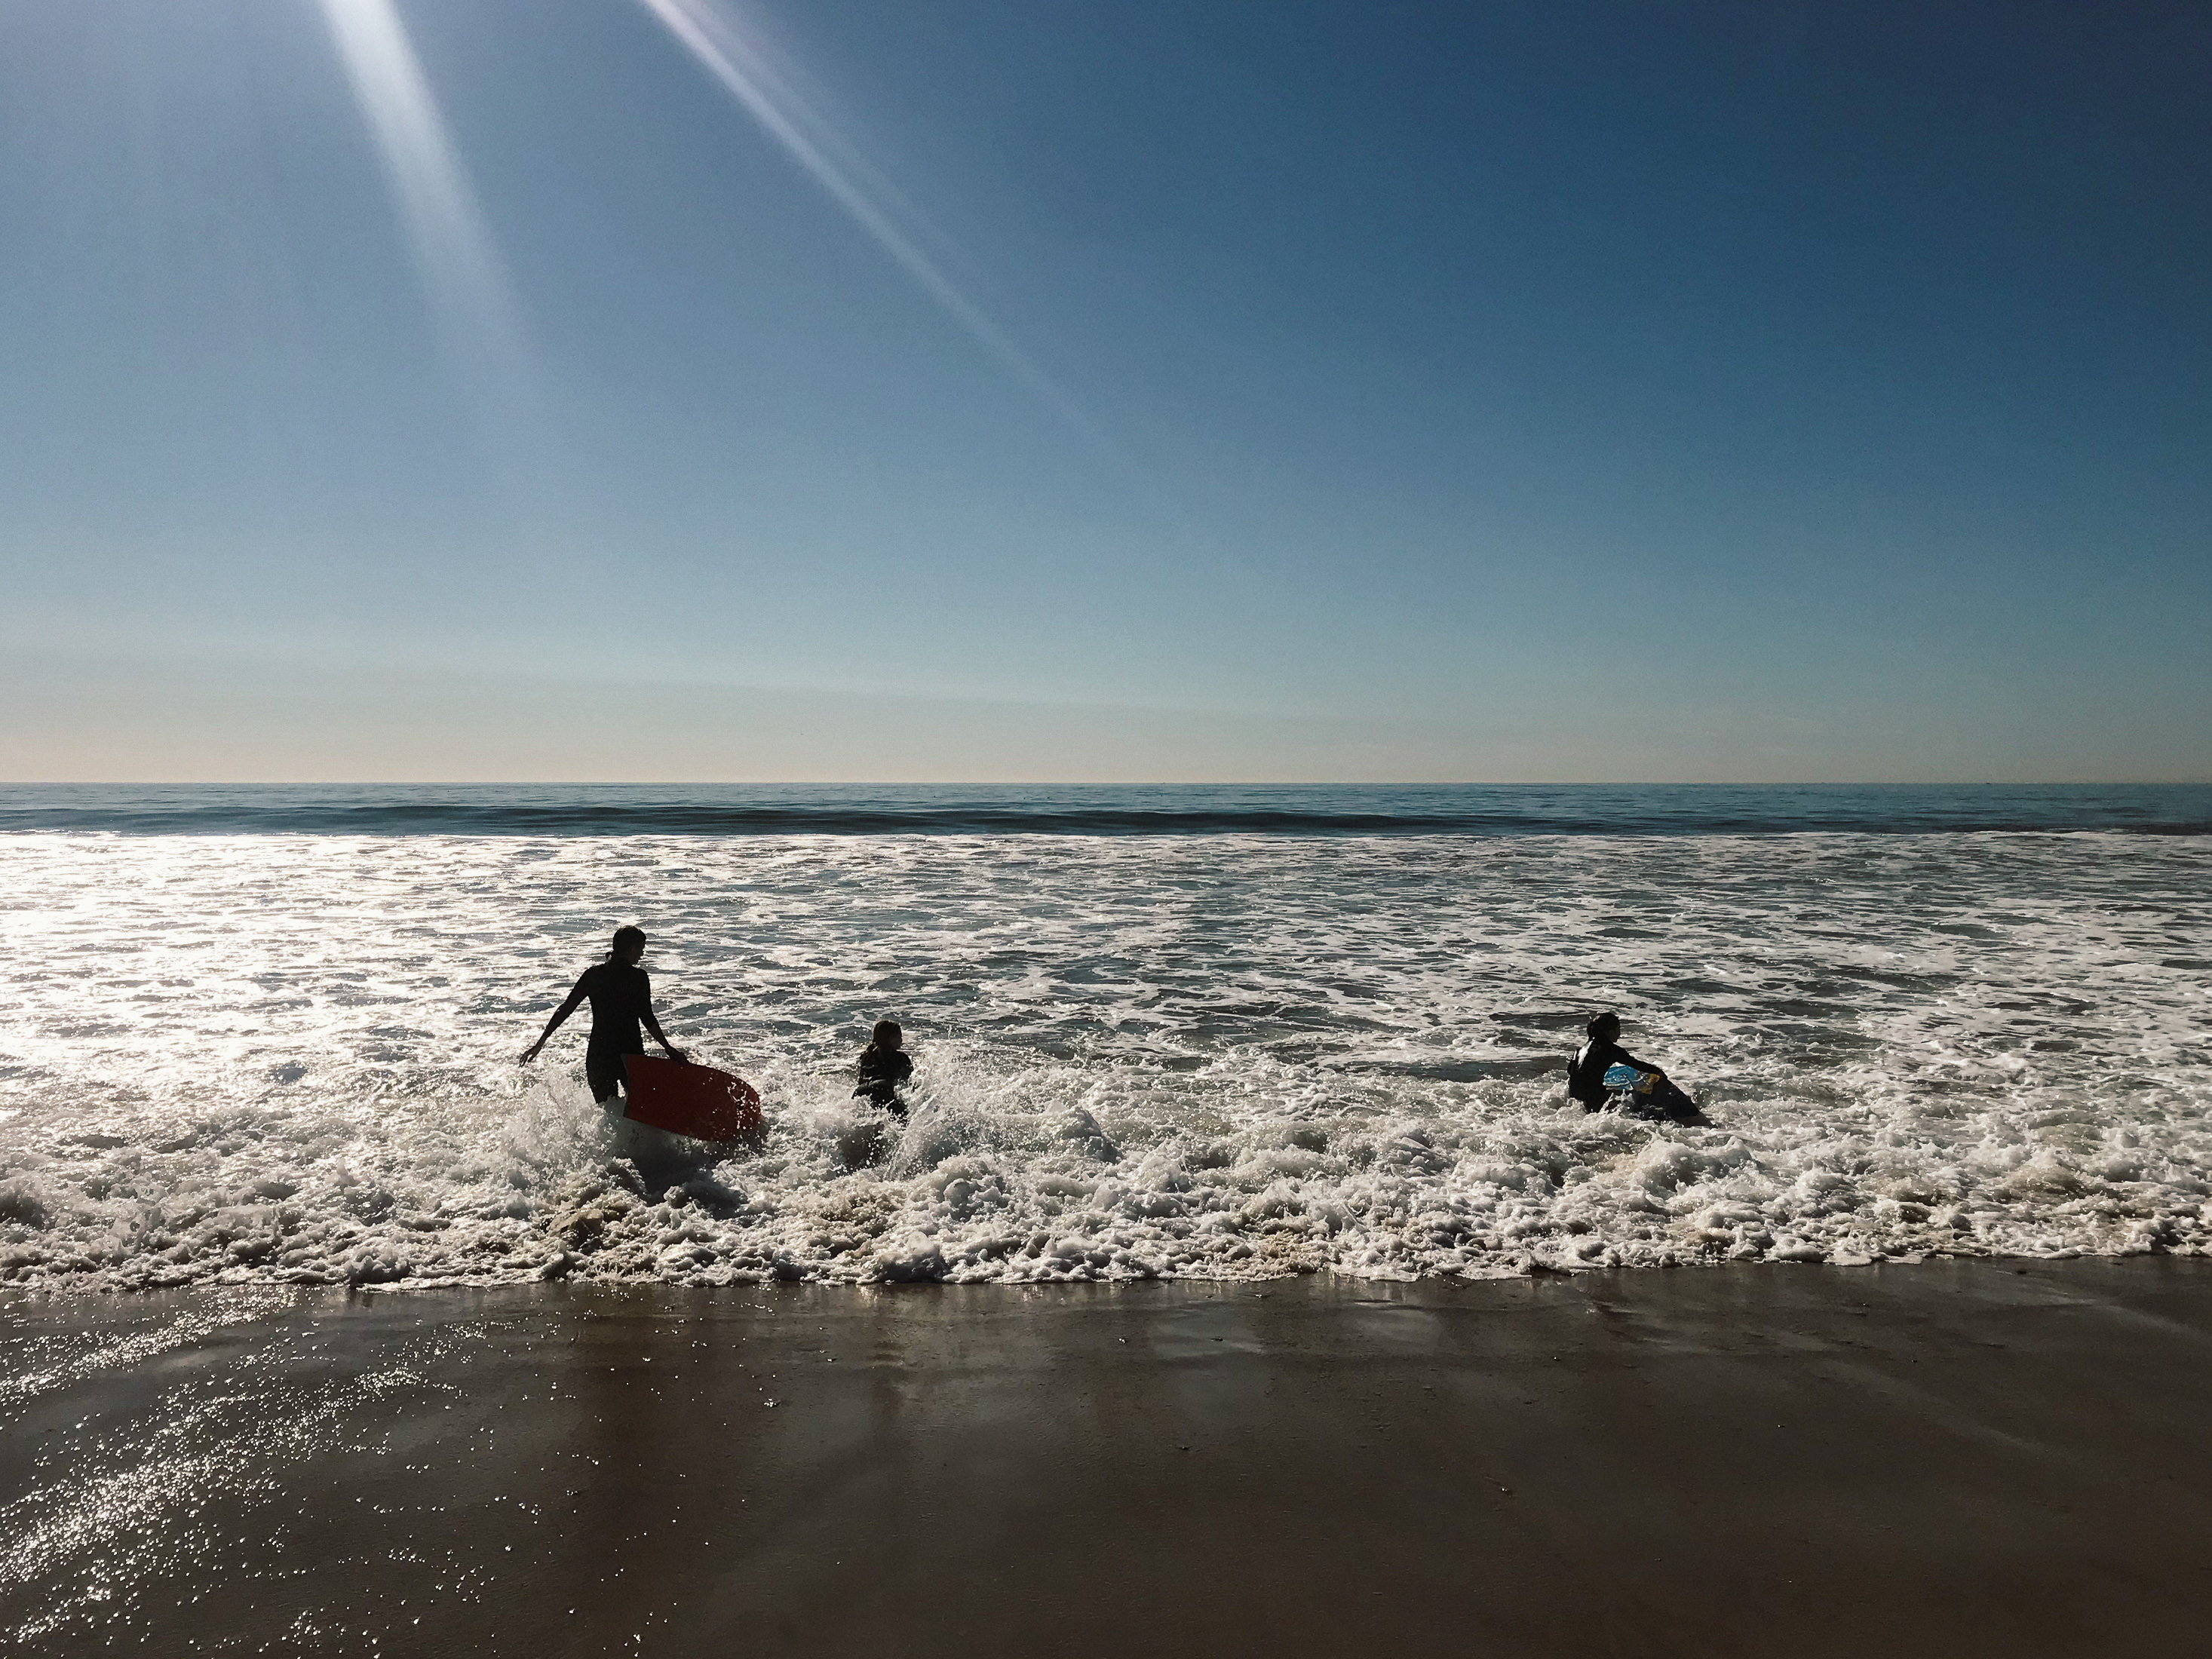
[1606, 1024]
[886, 1034]
[626, 940]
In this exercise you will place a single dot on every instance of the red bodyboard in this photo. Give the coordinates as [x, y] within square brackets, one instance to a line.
[696, 1101]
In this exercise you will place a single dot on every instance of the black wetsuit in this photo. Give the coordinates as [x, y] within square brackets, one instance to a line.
[1586, 1083]
[621, 996]
[1586, 1072]
[882, 1071]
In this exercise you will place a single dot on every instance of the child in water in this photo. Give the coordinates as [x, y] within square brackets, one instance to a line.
[1587, 1083]
[884, 1065]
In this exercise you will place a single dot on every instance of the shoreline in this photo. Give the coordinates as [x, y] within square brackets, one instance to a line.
[1964, 1456]
[65, 1292]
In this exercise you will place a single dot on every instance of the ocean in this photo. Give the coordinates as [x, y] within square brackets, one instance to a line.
[269, 1036]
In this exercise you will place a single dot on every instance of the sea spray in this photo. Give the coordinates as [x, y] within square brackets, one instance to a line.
[262, 1059]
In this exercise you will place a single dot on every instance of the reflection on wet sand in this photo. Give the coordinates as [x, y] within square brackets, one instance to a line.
[1953, 1457]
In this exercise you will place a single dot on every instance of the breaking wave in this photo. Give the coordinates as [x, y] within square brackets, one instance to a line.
[290, 1058]
[1104, 810]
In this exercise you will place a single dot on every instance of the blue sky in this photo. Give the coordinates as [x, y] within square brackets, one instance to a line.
[485, 389]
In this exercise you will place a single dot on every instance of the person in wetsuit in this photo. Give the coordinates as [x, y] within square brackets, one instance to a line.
[884, 1065]
[621, 996]
[1586, 1074]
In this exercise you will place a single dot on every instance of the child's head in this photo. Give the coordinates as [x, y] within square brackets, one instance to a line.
[887, 1034]
[1605, 1028]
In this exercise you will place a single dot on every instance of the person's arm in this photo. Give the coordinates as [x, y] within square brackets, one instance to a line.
[1622, 1057]
[652, 1026]
[575, 1000]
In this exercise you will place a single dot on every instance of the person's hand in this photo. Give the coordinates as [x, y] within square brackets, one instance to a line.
[530, 1052]
[677, 1056]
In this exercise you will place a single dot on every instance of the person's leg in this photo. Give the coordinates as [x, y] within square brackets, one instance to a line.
[605, 1073]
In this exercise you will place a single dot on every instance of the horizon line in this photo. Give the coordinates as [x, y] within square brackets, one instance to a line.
[1115, 783]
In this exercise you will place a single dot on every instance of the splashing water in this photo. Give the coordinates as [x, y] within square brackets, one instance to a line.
[285, 1058]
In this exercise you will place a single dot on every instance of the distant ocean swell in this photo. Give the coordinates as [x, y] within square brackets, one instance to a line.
[1523, 809]
[290, 1058]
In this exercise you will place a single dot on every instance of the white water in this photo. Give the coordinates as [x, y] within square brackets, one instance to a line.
[291, 1058]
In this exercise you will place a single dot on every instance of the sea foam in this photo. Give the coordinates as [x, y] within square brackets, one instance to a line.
[291, 1058]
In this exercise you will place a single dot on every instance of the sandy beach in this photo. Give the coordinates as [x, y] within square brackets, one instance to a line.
[1945, 1458]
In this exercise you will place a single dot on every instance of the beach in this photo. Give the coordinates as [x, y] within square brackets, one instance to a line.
[1239, 1280]
[1945, 1458]
[1105, 831]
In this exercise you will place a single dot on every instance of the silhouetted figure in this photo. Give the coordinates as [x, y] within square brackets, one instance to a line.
[1586, 1079]
[884, 1065]
[622, 1001]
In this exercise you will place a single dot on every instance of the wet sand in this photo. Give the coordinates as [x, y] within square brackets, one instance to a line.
[1949, 1458]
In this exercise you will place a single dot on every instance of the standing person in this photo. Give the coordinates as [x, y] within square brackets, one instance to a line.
[884, 1065]
[1586, 1074]
[622, 1000]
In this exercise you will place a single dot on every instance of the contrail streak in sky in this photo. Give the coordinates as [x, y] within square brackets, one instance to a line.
[452, 243]
[765, 96]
